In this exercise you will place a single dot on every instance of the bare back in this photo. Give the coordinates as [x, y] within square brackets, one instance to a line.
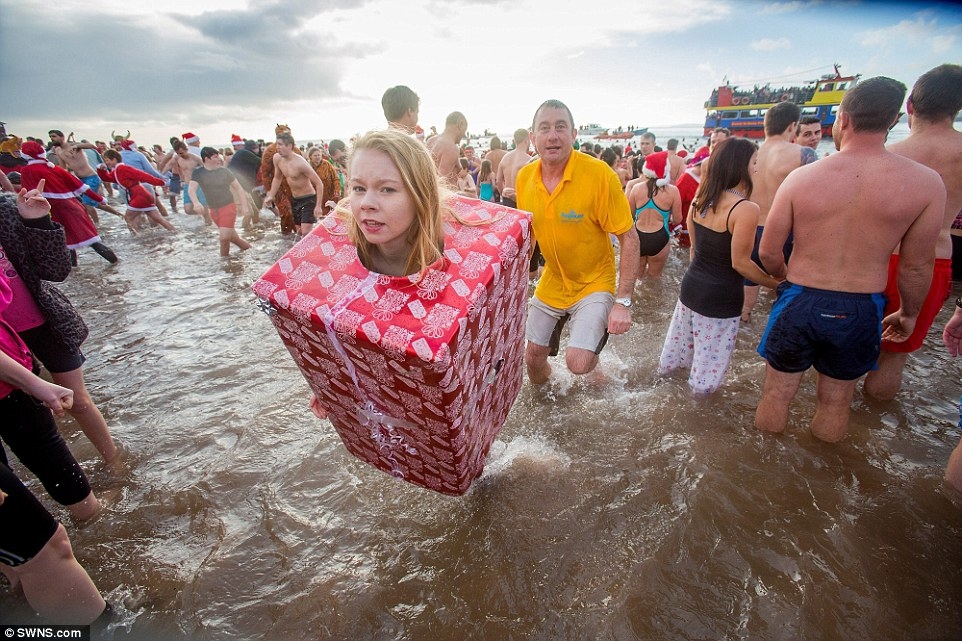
[776, 159]
[446, 156]
[939, 148]
[508, 170]
[848, 212]
[495, 156]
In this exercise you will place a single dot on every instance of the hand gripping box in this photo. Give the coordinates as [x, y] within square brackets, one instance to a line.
[418, 374]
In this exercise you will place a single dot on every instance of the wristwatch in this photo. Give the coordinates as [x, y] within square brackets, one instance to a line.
[624, 302]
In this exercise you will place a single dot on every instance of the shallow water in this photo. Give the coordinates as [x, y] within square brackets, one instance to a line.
[628, 511]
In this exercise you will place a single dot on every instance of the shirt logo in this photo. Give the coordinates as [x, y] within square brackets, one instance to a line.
[571, 217]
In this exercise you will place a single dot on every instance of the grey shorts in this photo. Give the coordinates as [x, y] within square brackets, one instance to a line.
[588, 323]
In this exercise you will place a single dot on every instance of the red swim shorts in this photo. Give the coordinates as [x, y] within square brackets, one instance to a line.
[224, 216]
[939, 290]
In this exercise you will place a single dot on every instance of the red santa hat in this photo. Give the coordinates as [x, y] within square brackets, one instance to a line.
[656, 166]
[191, 139]
[31, 150]
[128, 144]
[237, 141]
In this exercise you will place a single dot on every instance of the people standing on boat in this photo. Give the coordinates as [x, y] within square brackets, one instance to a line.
[777, 158]
[809, 132]
[933, 141]
[445, 148]
[704, 325]
[576, 203]
[847, 212]
[656, 207]
[401, 106]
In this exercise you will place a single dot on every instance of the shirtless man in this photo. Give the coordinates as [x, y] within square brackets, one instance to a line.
[445, 147]
[307, 190]
[183, 162]
[933, 141]
[510, 165]
[401, 106]
[847, 213]
[777, 158]
[676, 164]
[69, 155]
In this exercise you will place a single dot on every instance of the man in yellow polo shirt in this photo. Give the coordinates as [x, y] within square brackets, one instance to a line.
[576, 202]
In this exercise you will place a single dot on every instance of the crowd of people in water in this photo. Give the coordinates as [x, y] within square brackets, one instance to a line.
[858, 280]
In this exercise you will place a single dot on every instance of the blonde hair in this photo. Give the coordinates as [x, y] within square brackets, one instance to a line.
[420, 177]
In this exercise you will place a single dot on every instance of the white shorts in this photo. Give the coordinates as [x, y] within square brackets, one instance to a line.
[588, 318]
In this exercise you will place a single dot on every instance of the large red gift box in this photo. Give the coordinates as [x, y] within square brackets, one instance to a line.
[418, 373]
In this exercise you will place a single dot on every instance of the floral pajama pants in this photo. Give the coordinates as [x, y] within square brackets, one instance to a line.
[704, 344]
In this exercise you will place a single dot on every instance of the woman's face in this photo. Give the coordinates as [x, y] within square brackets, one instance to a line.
[381, 204]
[316, 157]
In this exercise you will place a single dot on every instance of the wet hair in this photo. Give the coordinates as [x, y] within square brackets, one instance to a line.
[335, 146]
[179, 144]
[286, 138]
[672, 144]
[609, 157]
[420, 177]
[55, 131]
[111, 154]
[397, 101]
[873, 104]
[937, 94]
[486, 170]
[521, 137]
[780, 117]
[552, 104]
[729, 168]
[208, 152]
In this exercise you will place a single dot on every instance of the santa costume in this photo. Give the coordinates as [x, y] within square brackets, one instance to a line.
[139, 198]
[62, 189]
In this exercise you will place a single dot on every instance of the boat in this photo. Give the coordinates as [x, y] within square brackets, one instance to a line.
[742, 111]
[591, 129]
[638, 132]
[621, 135]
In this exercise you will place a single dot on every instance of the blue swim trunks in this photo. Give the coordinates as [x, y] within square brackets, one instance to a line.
[94, 183]
[837, 333]
[787, 251]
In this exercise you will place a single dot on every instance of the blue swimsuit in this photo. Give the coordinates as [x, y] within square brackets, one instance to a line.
[652, 242]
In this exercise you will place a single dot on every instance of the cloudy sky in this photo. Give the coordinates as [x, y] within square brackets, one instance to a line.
[217, 67]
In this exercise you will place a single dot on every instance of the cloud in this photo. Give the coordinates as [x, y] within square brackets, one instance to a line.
[922, 31]
[767, 44]
[789, 7]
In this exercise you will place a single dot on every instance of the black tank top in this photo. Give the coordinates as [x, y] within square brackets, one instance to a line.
[711, 286]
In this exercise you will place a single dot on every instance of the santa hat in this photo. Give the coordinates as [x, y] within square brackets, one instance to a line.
[191, 139]
[128, 144]
[683, 153]
[701, 155]
[237, 141]
[31, 150]
[656, 166]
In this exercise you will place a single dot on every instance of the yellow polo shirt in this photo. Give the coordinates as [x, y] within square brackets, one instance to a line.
[572, 226]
